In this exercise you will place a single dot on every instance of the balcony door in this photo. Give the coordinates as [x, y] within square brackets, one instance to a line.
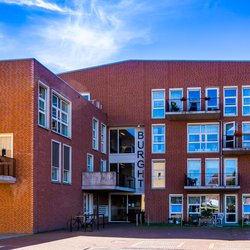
[229, 138]
[194, 171]
[6, 145]
[230, 172]
[230, 208]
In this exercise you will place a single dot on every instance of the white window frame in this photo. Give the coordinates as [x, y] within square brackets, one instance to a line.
[60, 111]
[218, 178]
[152, 103]
[95, 134]
[83, 94]
[243, 132]
[225, 172]
[46, 104]
[152, 173]
[60, 161]
[11, 141]
[181, 102]
[170, 204]
[225, 134]
[157, 143]
[103, 166]
[103, 138]
[245, 87]
[236, 208]
[90, 170]
[202, 124]
[243, 213]
[88, 203]
[199, 180]
[199, 108]
[218, 99]
[70, 165]
[224, 101]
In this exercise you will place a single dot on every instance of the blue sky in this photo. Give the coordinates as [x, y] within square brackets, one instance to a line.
[72, 34]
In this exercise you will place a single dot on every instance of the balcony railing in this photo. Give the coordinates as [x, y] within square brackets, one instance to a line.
[107, 181]
[7, 170]
[236, 144]
[193, 109]
[212, 181]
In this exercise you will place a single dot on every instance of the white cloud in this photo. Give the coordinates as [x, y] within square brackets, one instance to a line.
[37, 3]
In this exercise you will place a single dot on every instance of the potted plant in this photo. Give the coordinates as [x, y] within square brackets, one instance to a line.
[183, 99]
[237, 133]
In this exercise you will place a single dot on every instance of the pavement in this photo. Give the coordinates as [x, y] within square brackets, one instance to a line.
[130, 237]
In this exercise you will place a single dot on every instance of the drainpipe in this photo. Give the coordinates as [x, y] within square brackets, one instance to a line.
[221, 164]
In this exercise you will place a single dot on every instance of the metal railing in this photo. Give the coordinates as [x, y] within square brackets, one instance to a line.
[216, 179]
[7, 166]
[125, 181]
[192, 104]
[237, 140]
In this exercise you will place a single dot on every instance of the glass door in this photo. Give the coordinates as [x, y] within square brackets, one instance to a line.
[119, 208]
[230, 209]
[134, 207]
[229, 138]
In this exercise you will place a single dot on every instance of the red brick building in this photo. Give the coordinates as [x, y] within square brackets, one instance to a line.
[171, 138]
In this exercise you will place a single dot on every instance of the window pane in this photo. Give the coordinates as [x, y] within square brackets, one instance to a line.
[126, 141]
[55, 154]
[66, 158]
[158, 113]
[158, 94]
[230, 92]
[158, 174]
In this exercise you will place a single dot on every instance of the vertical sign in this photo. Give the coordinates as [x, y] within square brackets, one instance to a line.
[140, 161]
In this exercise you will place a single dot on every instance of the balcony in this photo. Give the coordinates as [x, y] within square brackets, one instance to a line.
[220, 181]
[192, 109]
[107, 181]
[7, 170]
[236, 144]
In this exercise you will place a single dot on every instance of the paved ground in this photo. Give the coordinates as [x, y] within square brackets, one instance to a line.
[137, 238]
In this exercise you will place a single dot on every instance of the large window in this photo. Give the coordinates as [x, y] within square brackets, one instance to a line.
[67, 164]
[95, 125]
[43, 103]
[122, 141]
[90, 163]
[103, 167]
[158, 103]
[175, 103]
[246, 135]
[158, 174]
[212, 172]
[103, 138]
[61, 118]
[194, 172]
[246, 101]
[230, 172]
[246, 208]
[230, 101]
[158, 139]
[194, 99]
[203, 138]
[175, 206]
[56, 162]
[213, 101]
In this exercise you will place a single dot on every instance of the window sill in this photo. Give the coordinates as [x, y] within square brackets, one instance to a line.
[67, 137]
[67, 183]
[46, 128]
[55, 182]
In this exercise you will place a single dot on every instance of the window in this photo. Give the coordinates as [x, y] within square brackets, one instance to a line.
[122, 141]
[175, 206]
[230, 172]
[158, 139]
[230, 101]
[103, 138]
[43, 105]
[56, 163]
[86, 95]
[203, 138]
[6, 145]
[246, 101]
[175, 103]
[158, 103]
[95, 134]
[213, 102]
[88, 205]
[194, 99]
[194, 171]
[67, 164]
[212, 172]
[246, 135]
[229, 138]
[103, 166]
[246, 208]
[90, 163]
[158, 173]
[61, 118]
[230, 208]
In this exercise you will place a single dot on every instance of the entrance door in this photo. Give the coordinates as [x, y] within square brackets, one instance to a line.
[230, 208]
[119, 208]
[134, 207]
[229, 138]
